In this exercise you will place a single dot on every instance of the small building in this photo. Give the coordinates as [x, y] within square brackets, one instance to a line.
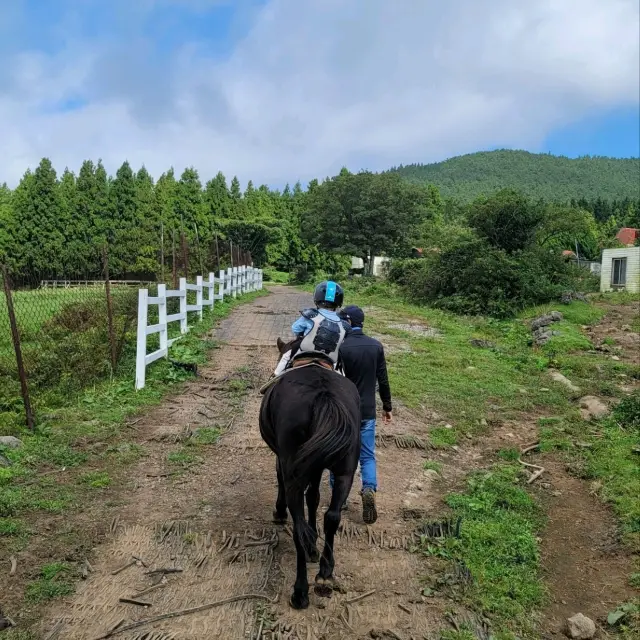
[628, 236]
[620, 269]
[379, 265]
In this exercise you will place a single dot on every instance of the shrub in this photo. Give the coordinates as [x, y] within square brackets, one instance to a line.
[476, 278]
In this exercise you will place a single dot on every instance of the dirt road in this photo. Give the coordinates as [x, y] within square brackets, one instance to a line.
[213, 519]
[199, 515]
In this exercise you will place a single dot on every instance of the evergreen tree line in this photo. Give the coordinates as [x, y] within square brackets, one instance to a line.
[54, 226]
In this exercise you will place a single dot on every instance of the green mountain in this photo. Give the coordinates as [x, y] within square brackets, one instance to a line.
[536, 174]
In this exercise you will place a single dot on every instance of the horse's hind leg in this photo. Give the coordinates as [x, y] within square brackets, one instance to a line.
[280, 512]
[313, 500]
[339, 495]
[295, 502]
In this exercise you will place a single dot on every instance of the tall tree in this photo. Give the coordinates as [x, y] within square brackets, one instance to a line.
[364, 214]
[39, 235]
[217, 200]
[123, 231]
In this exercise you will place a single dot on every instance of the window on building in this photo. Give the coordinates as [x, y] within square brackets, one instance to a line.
[619, 272]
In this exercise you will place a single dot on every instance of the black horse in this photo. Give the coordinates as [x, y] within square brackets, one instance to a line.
[310, 418]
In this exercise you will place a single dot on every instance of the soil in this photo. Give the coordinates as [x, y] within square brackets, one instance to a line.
[211, 523]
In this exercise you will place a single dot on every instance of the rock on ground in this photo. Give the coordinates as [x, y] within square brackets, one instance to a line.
[579, 627]
[592, 407]
[558, 377]
[10, 442]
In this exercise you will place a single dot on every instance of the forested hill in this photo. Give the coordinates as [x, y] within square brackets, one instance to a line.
[538, 175]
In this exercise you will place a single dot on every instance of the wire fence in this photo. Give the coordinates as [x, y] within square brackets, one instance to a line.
[61, 333]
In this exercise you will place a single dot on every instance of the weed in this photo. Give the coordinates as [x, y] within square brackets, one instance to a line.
[11, 527]
[207, 435]
[96, 479]
[441, 437]
[434, 465]
[498, 545]
[126, 452]
[54, 581]
[462, 634]
[182, 458]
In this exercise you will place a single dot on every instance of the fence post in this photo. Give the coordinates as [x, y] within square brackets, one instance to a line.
[199, 296]
[229, 282]
[162, 318]
[234, 282]
[244, 279]
[15, 336]
[141, 346]
[212, 290]
[221, 285]
[112, 334]
[183, 305]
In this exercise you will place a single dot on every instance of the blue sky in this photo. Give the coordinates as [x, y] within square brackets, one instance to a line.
[281, 90]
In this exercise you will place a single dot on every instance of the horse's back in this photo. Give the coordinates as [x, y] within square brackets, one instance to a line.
[290, 409]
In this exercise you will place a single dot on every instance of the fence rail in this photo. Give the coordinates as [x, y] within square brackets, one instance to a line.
[232, 282]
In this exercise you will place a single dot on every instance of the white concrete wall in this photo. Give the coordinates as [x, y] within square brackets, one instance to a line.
[379, 263]
[632, 254]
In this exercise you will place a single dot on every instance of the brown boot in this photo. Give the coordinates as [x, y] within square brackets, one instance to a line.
[369, 511]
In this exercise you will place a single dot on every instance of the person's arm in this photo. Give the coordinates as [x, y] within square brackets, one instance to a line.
[383, 384]
[301, 326]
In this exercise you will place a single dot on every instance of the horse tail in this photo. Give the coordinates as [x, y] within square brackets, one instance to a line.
[330, 442]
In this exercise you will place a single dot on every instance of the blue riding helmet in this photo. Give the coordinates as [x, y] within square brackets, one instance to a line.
[328, 293]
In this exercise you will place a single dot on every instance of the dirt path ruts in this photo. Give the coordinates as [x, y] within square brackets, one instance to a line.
[214, 520]
[186, 521]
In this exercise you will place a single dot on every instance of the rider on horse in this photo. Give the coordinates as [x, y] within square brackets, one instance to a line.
[320, 331]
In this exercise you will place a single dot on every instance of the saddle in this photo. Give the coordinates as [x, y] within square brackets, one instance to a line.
[299, 363]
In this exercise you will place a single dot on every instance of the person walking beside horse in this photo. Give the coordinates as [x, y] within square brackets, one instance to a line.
[364, 363]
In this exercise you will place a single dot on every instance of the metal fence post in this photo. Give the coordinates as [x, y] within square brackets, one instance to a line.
[15, 336]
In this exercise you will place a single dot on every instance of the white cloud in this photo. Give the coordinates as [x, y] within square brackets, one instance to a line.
[322, 83]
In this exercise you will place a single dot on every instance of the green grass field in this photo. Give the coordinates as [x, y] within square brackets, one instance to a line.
[433, 365]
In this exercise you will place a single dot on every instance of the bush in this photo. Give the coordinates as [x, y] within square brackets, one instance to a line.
[627, 413]
[73, 347]
[476, 278]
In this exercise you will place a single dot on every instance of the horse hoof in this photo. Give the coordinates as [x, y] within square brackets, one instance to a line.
[279, 519]
[323, 588]
[313, 556]
[299, 601]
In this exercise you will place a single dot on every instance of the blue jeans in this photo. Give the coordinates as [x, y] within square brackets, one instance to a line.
[367, 455]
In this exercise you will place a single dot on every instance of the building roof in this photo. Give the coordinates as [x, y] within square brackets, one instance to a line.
[628, 236]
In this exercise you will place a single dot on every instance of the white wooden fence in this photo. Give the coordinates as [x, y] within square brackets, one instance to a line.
[232, 282]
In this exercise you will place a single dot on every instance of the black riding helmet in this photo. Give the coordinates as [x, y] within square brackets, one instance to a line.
[328, 294]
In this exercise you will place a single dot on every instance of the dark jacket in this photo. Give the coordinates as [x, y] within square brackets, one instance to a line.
[364, 364]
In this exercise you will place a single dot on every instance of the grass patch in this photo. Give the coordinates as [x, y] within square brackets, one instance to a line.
[498, 546]
[432, 465]
[126, 452]
[54, 581]
[66, 433]
[607, 453]
[206, 435]
[182, 458]
[96, 479]
[11, 527]
[441, 437]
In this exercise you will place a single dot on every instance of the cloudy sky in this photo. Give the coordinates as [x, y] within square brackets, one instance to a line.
[280, 90]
